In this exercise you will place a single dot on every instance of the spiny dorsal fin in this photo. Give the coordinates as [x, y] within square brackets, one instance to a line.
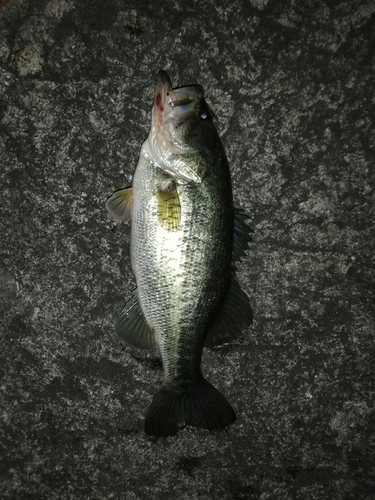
[120, 204]
[241, 236]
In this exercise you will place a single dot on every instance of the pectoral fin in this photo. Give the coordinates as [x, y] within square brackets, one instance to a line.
[132, 326]
[120, 204]
[234, 316]
[169, 208]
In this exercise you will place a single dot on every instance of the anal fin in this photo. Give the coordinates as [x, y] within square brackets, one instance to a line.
[132, 327]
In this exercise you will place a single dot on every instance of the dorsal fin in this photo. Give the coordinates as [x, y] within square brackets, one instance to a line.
[235, 312]
[233, 317]
[241, 236]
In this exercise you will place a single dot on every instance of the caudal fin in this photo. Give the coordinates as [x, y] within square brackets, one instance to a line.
[200, 405]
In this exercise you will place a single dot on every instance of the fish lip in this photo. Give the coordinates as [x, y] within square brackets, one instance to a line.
[195, 91]
[163, 87]
[164, 84]
[164, 79]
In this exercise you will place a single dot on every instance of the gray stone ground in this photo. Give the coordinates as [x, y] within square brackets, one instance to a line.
[292, 85]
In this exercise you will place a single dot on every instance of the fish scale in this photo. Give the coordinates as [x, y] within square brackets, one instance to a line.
[187, 261]
[183, 252]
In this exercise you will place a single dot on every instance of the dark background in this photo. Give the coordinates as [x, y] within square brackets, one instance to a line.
[292, 86]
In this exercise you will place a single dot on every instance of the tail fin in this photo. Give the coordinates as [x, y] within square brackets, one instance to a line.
[200, 405]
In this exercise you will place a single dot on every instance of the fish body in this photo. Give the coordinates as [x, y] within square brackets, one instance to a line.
[182, 252]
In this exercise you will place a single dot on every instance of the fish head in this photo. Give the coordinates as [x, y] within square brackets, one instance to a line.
[181, 126]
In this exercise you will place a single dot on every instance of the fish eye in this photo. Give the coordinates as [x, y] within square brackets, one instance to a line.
[204, 113]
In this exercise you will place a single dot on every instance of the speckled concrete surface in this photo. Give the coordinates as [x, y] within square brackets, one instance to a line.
[292, 85]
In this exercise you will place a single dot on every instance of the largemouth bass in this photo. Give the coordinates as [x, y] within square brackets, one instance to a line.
[185, 240]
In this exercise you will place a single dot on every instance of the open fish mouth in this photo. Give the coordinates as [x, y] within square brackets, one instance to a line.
[175, 127]
[175, 104]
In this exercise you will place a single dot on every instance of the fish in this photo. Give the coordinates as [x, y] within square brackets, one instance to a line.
[186, 240]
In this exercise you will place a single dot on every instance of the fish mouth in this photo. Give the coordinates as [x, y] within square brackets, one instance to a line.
[173, 107]
[174, 104]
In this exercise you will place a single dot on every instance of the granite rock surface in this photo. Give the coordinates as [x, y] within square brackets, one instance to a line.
[291, 84]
